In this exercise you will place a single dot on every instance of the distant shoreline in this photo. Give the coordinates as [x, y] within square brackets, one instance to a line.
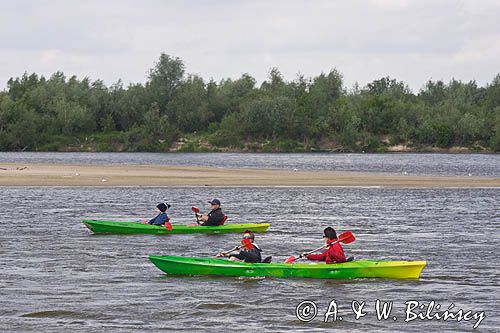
[43, 174]
[204, 147]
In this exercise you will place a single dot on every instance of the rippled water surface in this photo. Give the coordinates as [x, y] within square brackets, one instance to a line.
[57, 276]
[481, 165]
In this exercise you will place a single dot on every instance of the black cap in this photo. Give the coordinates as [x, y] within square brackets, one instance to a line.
[163, 206]
[215, 202]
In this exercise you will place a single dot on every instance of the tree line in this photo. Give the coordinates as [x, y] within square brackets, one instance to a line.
[306, 114]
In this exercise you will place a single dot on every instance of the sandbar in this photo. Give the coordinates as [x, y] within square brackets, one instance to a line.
[16, 174]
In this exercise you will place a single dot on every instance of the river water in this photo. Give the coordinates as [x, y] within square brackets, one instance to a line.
[55, 275]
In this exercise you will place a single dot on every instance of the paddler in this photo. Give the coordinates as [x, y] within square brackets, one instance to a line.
[334, 252]
[248, 251]
[215, 217]
[162, 216]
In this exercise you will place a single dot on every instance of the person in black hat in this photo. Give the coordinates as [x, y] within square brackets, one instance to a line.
[215, 216]
[162, 216]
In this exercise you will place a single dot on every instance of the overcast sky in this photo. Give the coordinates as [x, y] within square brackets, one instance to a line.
[411, 41]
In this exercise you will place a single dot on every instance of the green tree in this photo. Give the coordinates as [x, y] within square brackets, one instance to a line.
[47, 113]
[164, 78]
[267, 117]
[232, 94]
[434, 93]
[189, 108]
[495, 135]
[468, 129]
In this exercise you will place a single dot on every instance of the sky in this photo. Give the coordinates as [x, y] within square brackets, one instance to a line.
[411, 41]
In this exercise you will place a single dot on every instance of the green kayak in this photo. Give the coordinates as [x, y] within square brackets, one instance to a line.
[349, 270]
[115, 227]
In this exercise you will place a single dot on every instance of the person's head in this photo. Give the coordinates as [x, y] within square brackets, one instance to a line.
[248, 234]
[214, 203]
[329, 234]
[162, 207]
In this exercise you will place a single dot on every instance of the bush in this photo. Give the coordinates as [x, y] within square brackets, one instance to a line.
[371, 144]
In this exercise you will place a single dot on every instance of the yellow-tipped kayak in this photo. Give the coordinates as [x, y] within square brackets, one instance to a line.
[349, 270]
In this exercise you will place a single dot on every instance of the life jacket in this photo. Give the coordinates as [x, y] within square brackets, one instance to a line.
[334, 253]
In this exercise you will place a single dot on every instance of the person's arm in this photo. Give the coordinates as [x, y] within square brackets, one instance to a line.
[228, 253]
[208, 224]
[211, 220]
[330, 258]
[247, 256]
[240, 255]
[202, 218]
[320, 256]
[152, 221]
[160, 219]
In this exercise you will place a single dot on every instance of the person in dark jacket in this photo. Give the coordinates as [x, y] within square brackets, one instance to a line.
[215, 217]
[334, 252]
[248, 252]
[162, 216]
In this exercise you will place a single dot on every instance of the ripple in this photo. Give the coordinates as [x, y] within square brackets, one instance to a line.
[64, 314]
[217, 306]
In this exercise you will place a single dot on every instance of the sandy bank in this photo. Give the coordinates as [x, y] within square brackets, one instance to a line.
[15, 174]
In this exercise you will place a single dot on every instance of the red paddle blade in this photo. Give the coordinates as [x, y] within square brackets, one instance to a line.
[290, 260]
[247, 243]
[195, 209]
[346, 237]
[168, 225]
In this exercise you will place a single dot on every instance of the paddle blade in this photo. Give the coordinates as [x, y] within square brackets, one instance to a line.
[195, 209]
[290, 260]
[247, 243]
[346, 237]
[168, 225]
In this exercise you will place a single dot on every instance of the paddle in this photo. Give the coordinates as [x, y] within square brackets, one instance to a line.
[345, 237]
[196, 211]
[168, 225]
[227, 252]
[245, 243]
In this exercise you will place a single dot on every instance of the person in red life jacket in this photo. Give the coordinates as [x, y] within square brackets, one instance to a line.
[162, 216]
[215, 217]
[334, 252]
[248, 252]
